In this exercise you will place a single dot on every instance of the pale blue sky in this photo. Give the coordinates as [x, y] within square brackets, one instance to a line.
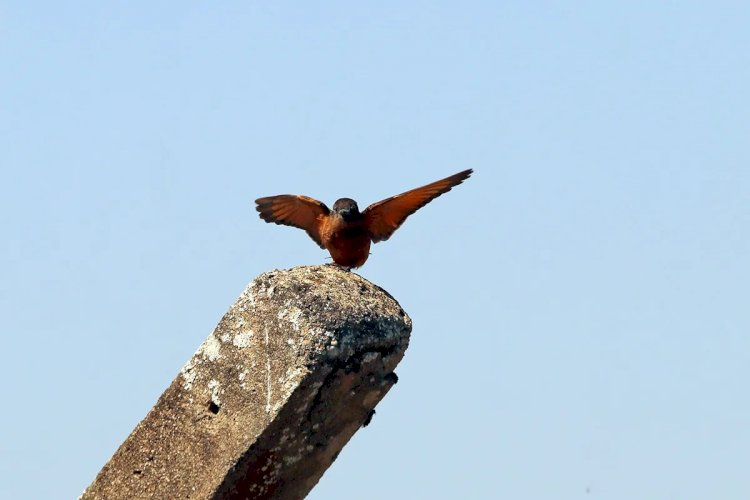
[580, 305]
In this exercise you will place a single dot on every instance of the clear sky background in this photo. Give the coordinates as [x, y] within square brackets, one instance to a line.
[580, 305]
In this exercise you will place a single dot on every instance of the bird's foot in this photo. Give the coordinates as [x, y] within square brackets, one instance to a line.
[339, 266]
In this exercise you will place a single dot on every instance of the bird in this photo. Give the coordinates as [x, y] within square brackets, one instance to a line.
[345, 231]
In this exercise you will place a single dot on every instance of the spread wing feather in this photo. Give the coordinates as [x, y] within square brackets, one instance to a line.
[384, 217]
[294, 210]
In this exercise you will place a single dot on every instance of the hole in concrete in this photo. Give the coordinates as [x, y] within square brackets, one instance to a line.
[213, 407]
[368, 418]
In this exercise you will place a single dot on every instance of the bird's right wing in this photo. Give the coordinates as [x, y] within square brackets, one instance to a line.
[294, 210]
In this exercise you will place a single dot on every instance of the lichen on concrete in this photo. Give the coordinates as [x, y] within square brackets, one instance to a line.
[264, 406]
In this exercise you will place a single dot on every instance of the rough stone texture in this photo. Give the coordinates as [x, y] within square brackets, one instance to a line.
[264, 406]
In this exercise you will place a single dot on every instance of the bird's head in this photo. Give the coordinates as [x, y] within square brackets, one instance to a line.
[346, 208]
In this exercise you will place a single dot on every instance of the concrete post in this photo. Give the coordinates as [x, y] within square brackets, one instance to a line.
[264, 406]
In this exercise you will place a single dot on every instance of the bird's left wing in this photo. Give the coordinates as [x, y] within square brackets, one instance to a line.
[294, 210]
[384, 217]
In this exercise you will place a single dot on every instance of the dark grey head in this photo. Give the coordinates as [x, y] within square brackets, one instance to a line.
[347, 208]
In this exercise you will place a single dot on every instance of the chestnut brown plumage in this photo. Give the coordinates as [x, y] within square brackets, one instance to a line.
[345, 231]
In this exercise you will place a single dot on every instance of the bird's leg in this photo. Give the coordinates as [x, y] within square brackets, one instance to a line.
[339, 266]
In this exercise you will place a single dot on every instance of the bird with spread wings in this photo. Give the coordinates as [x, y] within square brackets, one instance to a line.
[345, 231]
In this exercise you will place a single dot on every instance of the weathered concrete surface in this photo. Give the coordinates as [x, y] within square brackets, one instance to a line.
[263, 408]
